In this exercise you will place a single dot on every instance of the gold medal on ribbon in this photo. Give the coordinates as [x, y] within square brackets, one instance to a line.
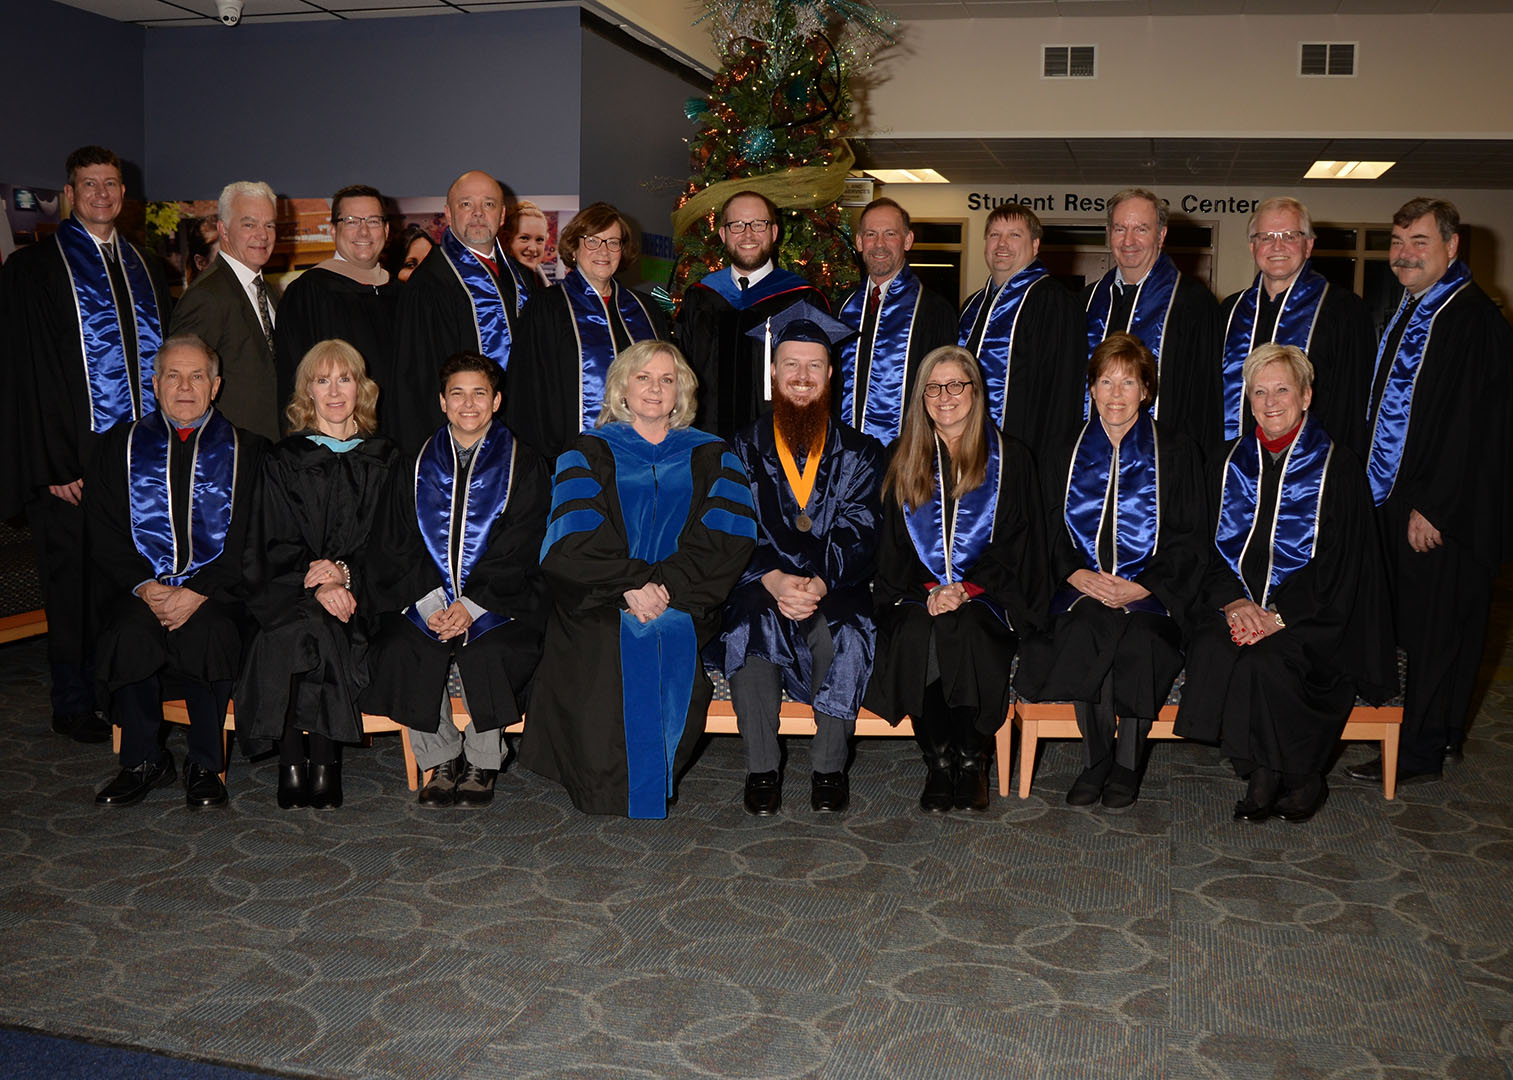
[801, 483]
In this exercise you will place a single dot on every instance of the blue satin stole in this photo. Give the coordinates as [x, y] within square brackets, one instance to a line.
[1389, 426]
[995, 348]
[1132, 469]
[596, 339]
[212, 494]
[1301, 304]
[111, 396]
[1153, 307]
[487, 482]
[1300, 495]
[880, 412]
[950, 547]
[489, 315]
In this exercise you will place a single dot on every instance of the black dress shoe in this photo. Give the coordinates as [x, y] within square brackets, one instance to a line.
[830, 792]
[202, 787]
[325, 786]
[1260, 796]
[89, 727]
[1371, 772]
[970, 790]
[441, 788]
[1302, 803]
[940, 784]
[1087, 787]
[293, 786]
[132, 785]
[764, 793]
[475, 787]
[1122, 789]
[1455, 753]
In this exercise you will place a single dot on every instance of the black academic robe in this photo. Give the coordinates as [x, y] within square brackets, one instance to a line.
[434, 319]
[132, 645]
[974, 648]
[1048, 367]
[934, 325]
[712, 333]
[1342, 350]
[1142, 645]
[618, 706]
[408, 667]
[1187, 393]
[322, 304]
[312, 503]
[45, 435]
[840, 549]
[545, 380]
[1282, 702]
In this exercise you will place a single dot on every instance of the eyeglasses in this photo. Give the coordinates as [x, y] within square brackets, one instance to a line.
[353, 222]
[593, 243]
[954, 387]
[738, 227]
[1286, 236]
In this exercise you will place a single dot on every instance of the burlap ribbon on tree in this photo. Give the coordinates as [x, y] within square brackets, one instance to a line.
[791, 189]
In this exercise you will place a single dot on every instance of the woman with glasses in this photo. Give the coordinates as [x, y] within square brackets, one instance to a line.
[570, 334]
[1126, 510]
[961, 573]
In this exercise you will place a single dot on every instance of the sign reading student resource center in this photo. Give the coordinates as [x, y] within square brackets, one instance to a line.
[1072, 202]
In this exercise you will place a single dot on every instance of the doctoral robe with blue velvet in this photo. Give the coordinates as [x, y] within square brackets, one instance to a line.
[618, 705]
[841, 550]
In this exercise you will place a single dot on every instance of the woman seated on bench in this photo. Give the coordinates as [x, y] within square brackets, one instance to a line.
[1125, 502]
[1292, 612]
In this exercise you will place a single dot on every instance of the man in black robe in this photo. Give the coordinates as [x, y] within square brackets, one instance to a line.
[1290, 302]
[801, 617]
[349, 296]
[232, 308]
[1027, 333]
[719, 311]
[464, 297]
[455, 575]
[898, 321]
[1173, 314]
[167, 504]
[81, 317]
[1439, 470]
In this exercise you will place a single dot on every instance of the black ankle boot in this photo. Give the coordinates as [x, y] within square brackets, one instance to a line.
[293, 786]
[940, 783]
[971, 781]
[325, 786]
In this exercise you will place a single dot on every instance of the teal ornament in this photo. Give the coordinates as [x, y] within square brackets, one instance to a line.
[799, 91]
[758, 144]
[695, 107]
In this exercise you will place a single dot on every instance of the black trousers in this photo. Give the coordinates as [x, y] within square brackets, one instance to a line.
[138, 708]
[63, 570]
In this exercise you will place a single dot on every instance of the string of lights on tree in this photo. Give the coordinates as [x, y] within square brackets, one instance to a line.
[775, 121]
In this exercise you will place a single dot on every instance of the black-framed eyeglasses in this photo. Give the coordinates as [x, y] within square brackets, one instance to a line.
[353, 222]
[593, 242]
[954, 387]
[738, 227]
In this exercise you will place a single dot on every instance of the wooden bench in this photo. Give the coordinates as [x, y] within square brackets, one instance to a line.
[26, 624]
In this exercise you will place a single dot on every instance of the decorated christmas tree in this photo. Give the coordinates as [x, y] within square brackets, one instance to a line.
[775, 122]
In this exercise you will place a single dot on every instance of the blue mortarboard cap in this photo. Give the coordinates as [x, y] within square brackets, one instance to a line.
[803, 322]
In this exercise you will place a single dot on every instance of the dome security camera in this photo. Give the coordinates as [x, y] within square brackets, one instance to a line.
[230, 11]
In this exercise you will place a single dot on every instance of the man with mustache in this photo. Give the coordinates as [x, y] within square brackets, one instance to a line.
[801, 618]
[234, 310]
[721, 309]
[1438, 468]
[1290, 303]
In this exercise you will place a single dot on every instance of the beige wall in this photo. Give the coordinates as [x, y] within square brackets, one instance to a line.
[670, 22]
[1439, 75]
[1489, 213]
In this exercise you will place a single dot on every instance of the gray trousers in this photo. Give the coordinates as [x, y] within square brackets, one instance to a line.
[756, 691]
[482, 748]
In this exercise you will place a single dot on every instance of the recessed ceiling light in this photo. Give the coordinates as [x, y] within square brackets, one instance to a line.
[908, 176]
[1347, 170]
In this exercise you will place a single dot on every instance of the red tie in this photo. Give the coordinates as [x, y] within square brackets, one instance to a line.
[874, 300]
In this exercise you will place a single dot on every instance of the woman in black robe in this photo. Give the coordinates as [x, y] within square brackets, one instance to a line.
[1292, 617]
[961, 572]
[570, 334]
[320, 489]
[651, 526]
[1125, 555]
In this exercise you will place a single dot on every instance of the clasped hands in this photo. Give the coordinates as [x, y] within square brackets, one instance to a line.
[1249, 622]
[171, 605]
[944, 598]
[647, 602]
[1108, 589]
[797, 597]
[329, 583]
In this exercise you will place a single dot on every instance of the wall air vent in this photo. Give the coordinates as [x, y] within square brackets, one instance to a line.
[1333, 58]
[1069, 62]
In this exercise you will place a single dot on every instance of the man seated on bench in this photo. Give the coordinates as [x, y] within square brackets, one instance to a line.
[801, 617]
[454, 572]
[166, 508]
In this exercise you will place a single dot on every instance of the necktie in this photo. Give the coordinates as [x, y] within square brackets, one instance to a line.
[874, 301]
[264, 311]
[110, 252]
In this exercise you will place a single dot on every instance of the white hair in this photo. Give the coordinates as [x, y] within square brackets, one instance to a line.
[254, 188]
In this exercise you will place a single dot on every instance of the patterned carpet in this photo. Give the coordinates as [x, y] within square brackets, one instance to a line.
[1033, 941]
